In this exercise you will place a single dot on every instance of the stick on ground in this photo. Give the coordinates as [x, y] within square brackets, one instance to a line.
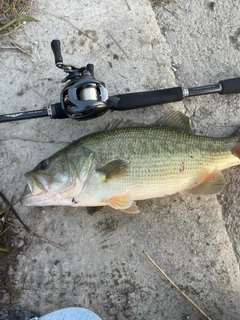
[175, 286]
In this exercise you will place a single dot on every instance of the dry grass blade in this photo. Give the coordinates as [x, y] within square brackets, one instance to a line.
[34, 140]
[10, 208]
[175, 286]
[39, 237]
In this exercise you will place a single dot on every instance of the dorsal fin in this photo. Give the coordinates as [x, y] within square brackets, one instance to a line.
[176, 120]
[116, 123]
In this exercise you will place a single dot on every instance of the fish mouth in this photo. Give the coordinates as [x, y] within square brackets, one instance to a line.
[44, 198]
[38, 184]
[38, 192]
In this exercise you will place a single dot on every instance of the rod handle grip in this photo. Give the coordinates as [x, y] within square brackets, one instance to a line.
[56, 49]
[230, 86]
[144, 99]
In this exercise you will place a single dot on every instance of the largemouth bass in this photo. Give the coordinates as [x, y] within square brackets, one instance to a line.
[120, 165]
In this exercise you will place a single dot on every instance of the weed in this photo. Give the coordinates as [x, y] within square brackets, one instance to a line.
[12, 15]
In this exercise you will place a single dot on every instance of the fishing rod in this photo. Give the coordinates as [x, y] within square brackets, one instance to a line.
[85, 98]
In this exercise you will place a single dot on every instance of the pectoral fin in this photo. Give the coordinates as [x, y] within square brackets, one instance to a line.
[212, 184]
[114, 169]
[124, 203]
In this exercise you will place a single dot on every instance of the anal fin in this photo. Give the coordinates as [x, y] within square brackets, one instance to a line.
[211, 185]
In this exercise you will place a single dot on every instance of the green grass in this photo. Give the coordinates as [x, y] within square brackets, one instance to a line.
[12, 15]
[2, 211]
[4, 250]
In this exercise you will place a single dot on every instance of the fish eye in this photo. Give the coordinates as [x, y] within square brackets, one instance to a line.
[44, 164]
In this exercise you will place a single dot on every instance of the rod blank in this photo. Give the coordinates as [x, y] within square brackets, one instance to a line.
[132, 100]
[24, 115]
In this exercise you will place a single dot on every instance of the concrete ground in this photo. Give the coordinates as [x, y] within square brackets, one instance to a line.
[97, 261]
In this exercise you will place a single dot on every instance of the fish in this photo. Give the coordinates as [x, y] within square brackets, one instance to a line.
[128, 162]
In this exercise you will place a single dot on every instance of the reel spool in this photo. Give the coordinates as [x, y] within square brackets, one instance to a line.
[83, 97]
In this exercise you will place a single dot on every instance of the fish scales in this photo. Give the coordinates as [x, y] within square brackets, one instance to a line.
[117, 166]
[160, 158]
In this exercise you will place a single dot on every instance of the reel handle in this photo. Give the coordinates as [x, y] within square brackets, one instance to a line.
[56, 49]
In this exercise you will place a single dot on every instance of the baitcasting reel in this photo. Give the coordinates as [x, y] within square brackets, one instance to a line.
[85, 98]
